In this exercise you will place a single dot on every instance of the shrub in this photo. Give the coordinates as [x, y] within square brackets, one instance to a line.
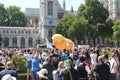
[22, 76]
[20, 62]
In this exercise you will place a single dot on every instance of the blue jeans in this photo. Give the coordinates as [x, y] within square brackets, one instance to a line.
[34, 75]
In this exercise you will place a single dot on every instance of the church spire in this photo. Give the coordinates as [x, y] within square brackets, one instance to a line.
[64, 5]
[72, 10]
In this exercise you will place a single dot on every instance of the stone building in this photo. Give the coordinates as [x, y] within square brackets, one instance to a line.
[40, 25]
[23, 37]
[113, 6]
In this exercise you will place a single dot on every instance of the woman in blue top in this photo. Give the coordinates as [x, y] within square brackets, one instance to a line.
[60, 67]
[35, 66]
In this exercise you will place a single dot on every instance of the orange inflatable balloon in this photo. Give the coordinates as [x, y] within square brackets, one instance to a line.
[69, 44]
[61, 42]
[58, 41]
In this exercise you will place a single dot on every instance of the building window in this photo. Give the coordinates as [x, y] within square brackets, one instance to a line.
[22, 41]
[26, 32]
[6, 42]
[30, 42]
[19, 32]
[3, 31]
[33, 32]
[14, 42]
[37, 32]
[14, 31]
[11, 31]
[22, 32]
[50, 7]
[7, 31]
[50, 33]
[29, 32]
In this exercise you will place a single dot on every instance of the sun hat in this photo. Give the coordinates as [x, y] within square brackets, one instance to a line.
[8, 77]
[43, 73]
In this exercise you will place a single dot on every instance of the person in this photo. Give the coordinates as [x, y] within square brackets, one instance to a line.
[54, 58]
[93, 56]
[11, 59]
[44, 55]
[102, 70]
[60, 67]
[8, 77]
[9, 70]
[114, 67]
[106, 60]
[2, 64]
[2, 61]
[69, 73]
[28, 56]
[83, 69]
[75, 54]
[43, 74]
[64, 54]
[49, 66]
[35, 66]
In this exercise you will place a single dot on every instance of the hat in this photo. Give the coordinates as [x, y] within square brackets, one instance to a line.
[43, 73]
[8, 77]
[105, 56]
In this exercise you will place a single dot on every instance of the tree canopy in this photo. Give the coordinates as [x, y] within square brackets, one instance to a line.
[116, 30]
[89, 23]
[12, 16]
[96, 15]
[3, 16]
[63, 25]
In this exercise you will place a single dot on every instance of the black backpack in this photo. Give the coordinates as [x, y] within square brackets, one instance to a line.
[82, 71]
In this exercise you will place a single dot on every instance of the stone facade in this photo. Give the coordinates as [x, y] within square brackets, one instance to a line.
[40, 25]
[50, 11]
[24, 37]
[113, 6]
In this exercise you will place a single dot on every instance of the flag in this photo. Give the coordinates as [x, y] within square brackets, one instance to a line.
[48, 44]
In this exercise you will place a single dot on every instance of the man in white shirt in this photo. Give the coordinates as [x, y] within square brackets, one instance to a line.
[114, 68]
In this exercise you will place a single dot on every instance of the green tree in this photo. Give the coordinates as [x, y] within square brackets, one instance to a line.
[63, 25]
[3, 16]
[96, 15]
[78, 29]
[116, 30]
[16, 17]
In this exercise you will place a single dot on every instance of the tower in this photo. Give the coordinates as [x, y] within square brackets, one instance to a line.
[72, 11]
[64, 5]
[48, 18]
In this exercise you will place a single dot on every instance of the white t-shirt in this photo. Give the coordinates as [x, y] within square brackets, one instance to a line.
[93, 59]
[113, 64]
[28, 57]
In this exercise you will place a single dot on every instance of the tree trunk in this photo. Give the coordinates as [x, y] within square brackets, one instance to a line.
[94, 42]
[117, 43]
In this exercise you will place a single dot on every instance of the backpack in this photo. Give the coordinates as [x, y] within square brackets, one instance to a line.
[82, 71]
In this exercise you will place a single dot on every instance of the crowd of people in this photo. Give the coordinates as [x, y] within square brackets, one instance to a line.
[53, 64]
